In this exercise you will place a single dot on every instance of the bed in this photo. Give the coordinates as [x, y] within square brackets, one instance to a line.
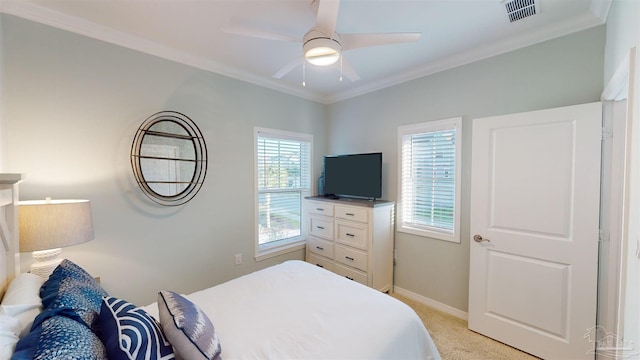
[293, 310]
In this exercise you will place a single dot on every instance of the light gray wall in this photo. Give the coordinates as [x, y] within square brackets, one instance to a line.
[72, 107]
[565, 71]
[623, 33]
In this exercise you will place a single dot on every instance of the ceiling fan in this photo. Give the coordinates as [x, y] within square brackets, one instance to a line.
[322, 45]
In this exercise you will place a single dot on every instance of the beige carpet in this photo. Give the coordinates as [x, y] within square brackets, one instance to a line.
[456, 342]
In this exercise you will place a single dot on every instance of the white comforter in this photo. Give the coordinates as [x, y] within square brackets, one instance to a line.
[296, 310]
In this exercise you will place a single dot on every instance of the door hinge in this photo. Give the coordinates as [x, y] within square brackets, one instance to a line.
[603, 235]
[607, 133]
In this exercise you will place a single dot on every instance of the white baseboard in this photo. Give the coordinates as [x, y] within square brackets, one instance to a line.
[433, 303]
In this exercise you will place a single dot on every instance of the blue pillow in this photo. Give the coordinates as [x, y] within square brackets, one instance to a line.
[60, 338]
[129, 333]
[70, 291]
[26, 346]
[187, 327]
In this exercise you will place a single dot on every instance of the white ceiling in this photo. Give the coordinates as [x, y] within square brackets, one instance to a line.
[454, 32]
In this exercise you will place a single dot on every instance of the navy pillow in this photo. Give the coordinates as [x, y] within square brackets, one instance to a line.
[60, 338]
[70, 291]
[129, 333]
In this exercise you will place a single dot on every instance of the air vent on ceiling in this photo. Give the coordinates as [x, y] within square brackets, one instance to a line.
[520, 9]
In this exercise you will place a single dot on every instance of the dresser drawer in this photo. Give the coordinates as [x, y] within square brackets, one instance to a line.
[352, 234]
[351, 274]
[352, 257]
[352, 213]
[320, 208]
[321, 227]
[320, 247]
[320, 261]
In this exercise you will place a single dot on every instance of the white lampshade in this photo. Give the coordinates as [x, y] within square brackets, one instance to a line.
[48, 225]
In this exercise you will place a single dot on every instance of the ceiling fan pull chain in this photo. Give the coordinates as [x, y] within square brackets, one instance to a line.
[304, 67]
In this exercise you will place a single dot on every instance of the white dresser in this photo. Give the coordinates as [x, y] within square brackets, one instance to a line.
[353, 238]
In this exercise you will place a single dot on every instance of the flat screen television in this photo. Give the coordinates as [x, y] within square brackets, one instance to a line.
[353, 175]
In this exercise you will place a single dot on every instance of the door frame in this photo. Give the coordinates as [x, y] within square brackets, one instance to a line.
[616, 239]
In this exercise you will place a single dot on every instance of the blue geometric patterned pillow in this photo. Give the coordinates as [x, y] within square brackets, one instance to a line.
[70, 291]
[129, 333]
[65, 339]
[188, 328]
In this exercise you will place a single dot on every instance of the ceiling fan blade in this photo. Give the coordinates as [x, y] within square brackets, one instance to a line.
[354, 41]
[288, 68]
[349, 71]
[327, 16]
[254, 32]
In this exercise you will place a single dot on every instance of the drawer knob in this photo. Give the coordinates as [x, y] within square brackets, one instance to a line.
[319, 248]
[351, 235]
[349, 258]
[349, 214]
[318, 265]
[348, 277]
[320, 227]
[320, 209]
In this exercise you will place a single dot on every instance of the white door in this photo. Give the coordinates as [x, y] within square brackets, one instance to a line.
[534, 208]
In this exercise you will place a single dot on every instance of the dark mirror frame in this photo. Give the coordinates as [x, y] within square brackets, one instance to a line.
[189, 187]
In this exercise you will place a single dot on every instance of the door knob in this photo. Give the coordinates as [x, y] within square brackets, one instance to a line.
[478, 238]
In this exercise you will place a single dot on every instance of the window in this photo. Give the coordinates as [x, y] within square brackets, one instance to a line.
[283, 179]
[429, 184]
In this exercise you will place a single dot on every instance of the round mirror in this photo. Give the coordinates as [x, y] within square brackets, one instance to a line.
[169, 158]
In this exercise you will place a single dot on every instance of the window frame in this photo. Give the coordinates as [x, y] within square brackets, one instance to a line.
[269, 250]
[428, 127]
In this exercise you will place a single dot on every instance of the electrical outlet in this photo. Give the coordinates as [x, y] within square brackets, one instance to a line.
[238, 259]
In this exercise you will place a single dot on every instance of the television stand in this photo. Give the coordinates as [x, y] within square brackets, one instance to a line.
[351, 237]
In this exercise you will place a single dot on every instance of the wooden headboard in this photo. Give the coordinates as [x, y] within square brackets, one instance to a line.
[9, 241]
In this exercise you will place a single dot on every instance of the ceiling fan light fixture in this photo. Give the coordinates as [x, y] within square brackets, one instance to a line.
[322, 51]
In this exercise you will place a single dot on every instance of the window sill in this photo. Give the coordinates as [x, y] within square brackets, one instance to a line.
[430, 234]
[271, 252]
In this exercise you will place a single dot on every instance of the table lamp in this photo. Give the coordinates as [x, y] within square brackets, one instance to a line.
[48, 225]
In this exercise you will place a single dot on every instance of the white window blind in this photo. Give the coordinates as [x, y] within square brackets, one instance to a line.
[283, 171]
[429, 184]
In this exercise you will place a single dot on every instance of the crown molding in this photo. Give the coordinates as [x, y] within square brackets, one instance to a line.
[618, 87]
[573, 25]
[595, 16]
[600, 8]
[42, 15]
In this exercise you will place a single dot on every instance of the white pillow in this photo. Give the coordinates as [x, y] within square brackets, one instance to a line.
[22, 300]
[24, 289]
[24, 314]
[152, 310]
[9, 331]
